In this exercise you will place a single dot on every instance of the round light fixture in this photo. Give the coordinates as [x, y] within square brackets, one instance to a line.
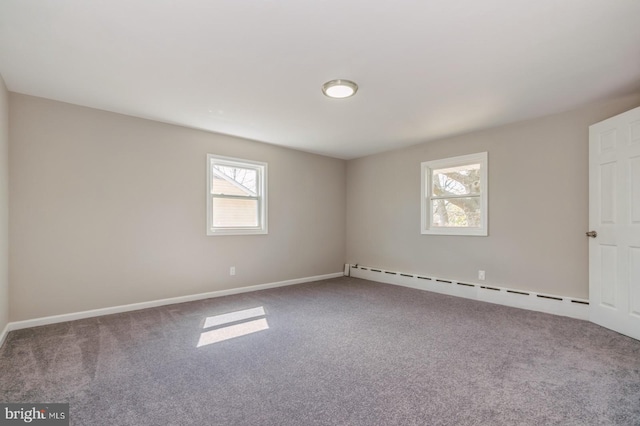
[339, 88]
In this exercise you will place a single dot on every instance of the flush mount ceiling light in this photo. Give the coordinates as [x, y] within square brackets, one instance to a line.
[339, 88]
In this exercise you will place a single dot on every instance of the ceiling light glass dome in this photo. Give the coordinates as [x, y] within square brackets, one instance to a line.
[339, 88]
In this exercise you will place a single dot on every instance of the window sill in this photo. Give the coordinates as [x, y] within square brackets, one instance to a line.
[219, 232]
[477, 232]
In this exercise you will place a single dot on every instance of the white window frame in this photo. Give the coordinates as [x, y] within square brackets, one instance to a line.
[426, 195]
[261, 196]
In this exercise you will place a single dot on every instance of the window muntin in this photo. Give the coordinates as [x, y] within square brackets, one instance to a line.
[236, 196]
[454, 196]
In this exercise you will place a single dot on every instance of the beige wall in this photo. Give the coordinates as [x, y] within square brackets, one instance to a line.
[538, 206]
[4, 205]
[108, 209]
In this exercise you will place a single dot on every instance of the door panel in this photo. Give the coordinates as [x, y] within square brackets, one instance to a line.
[608, 269]
[608, 193]
[634, 277]
[634, 169]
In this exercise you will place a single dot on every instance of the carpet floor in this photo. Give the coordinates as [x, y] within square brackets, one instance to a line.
[344, 351]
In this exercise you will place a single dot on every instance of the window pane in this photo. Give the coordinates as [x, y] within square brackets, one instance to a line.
[461, 180]
[235, 213]
[456, 212]
[234, 180]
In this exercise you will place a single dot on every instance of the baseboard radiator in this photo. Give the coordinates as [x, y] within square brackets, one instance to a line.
[551, 304]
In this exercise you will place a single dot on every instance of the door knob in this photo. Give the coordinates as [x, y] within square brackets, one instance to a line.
[592, 234]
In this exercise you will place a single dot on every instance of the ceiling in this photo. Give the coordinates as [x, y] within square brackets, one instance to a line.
[427, 69]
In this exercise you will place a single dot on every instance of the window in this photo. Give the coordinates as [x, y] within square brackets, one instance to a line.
[454, 196]
[236, 196]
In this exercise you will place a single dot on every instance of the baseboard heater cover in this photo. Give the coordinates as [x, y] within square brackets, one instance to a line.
[548, 303]
[347, 270]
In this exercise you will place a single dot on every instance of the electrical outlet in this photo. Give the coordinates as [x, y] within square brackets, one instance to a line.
[232, 270]
[481, 275]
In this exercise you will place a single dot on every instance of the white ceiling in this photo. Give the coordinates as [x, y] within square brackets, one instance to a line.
[254, 68]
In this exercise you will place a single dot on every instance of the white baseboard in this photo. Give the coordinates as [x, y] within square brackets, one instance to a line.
[557, 305]
[3, 335]
[17, 325]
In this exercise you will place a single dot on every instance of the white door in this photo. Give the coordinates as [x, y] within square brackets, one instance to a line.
[614, 214]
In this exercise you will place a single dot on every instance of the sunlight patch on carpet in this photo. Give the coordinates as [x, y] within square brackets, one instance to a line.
[233, 330]
[233, 317]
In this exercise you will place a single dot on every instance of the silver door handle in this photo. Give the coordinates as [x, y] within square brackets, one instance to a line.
[592, 234]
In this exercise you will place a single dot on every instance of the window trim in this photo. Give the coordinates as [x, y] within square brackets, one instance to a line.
[426, 206]
[261, 195]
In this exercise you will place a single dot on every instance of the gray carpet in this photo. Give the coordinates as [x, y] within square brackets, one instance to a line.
[337, 352]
